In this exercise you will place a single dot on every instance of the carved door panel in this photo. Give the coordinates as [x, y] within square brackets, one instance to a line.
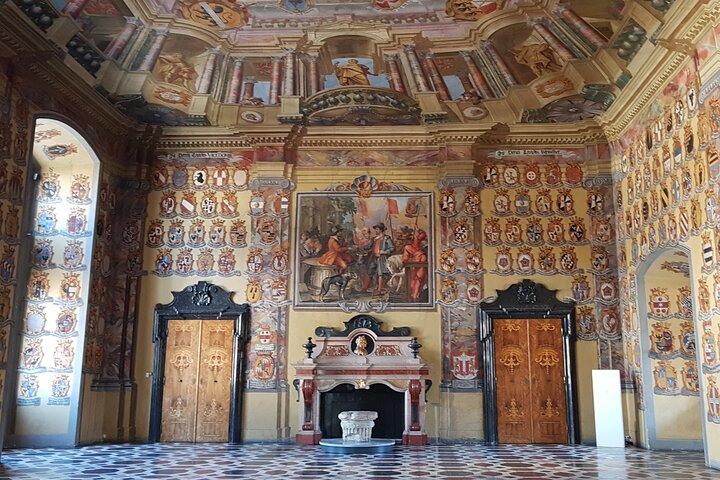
[181, 376]
[530, 381]
[512, 371]
[198, 371]
[547, 381]
[214, 386]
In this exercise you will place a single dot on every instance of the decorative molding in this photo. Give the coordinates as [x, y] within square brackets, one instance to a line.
[42, 60]
[709, 87]
[623, 118]
[643, 93]
[367, 322]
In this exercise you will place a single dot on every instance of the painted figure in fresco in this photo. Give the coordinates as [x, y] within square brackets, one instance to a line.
[539, 57]
[382, 247]
[172, 68]
[362, 241]
[337, 252]
[416, 253]
[352, 73]
[310, 245]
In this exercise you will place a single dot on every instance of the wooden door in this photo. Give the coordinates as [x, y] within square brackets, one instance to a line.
[196, 394]
[530, 388]
[215, 373]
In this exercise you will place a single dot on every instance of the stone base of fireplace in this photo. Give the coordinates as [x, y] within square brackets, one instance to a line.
[374, 445]
[361, 356]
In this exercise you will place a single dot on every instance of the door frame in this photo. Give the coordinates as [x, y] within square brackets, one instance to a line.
[203, 301]
[531, 301]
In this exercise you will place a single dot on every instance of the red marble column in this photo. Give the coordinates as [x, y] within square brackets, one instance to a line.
[414, 389]
[308, 390]
[416, 68]
[437, 80]
[249, 88]
[313, 75]
[148, 62]
[468, 87]
[502, 67]
[396, 81]
[288, 84]
[208, 71]
[118, 44]
[558, 47]
[74, 7]
[275, 80]
[585, 29]
[236, 78]
[477, 77]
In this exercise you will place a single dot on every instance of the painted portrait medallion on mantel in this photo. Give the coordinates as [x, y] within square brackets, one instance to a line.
[364, 252]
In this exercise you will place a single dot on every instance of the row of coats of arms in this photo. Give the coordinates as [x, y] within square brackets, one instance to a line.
[555, 231]
[532, 175]
[199, 178]
[40, 286]
[210, 205]
[656, 169]
[197, 235]
[671, 192]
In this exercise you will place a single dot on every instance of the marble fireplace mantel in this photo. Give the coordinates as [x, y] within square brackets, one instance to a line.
[362, 355]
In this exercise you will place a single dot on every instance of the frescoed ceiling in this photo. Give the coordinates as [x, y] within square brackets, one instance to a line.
[228, 62]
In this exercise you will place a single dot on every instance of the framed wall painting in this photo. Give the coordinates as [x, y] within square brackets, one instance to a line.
[364, 253]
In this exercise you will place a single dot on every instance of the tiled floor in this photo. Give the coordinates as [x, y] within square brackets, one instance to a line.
[289, 461]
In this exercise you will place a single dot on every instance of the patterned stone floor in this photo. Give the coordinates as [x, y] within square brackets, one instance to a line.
[289, 461]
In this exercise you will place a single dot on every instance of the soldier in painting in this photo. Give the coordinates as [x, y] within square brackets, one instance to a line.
[380, 249]
[337, 252]
[415, 253]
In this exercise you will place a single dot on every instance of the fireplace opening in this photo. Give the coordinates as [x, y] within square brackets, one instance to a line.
[380, 398]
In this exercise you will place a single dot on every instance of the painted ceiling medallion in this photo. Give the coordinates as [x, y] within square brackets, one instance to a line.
[475, 113]
[252, 116]
[573, 110]
[221, 15]
[296, 6]
[388, 4]
[471, 9]
[554, 87]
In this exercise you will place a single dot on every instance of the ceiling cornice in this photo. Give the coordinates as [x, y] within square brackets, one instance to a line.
[683, 27]
[399, 137]
[43, 61]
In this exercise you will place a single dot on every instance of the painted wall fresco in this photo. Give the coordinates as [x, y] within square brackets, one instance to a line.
[48, 256]
[14, 146]
[666, 193]
[671, 348]
[51, 336]
[537, 214]
[117, 268]
[197, 217]
[460, 273]
[268, 282]
[365, 245]
[671, 330]
[207, 218]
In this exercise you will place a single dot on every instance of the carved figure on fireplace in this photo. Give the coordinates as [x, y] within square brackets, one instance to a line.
[361, 345]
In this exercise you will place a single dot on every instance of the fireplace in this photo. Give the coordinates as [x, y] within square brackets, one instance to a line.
[380, 398]
[362, 368]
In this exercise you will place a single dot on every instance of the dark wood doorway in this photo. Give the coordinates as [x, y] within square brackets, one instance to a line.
[528, 345]
[200, 340]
